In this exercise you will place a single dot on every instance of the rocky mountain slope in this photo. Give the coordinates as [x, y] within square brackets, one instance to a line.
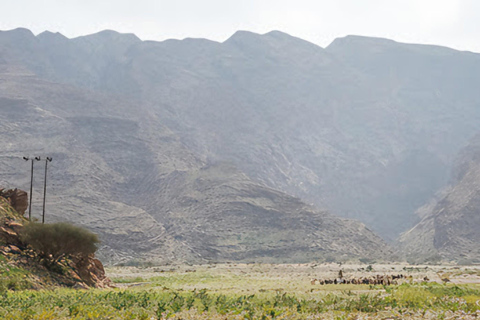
[449, 228]
[366, 128]
[148, 197]
[120, 171]
[218, 213]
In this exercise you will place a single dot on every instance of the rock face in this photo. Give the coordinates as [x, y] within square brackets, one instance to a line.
[366, 128]
[217, 213]
[91, 272]
[449, 228]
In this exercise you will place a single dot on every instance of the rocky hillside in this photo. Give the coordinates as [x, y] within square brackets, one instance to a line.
[20, 266]
[123, 174]
[217, 213]
[366, 128]
[449, 228]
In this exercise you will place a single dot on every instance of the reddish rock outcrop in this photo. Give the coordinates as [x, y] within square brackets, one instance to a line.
[91, 272]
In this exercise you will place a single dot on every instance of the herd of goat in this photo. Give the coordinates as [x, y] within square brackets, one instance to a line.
[373, 280]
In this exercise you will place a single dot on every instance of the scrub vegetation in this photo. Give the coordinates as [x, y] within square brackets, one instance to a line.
[224, 293]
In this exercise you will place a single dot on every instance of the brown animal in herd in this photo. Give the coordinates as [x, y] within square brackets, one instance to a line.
[374, 280]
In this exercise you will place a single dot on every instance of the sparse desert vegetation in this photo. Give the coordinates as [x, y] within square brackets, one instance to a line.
[257, 291]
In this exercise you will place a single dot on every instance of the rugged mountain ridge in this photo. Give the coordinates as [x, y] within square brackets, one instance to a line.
[122, 172]
[449, 228]
[367, 128]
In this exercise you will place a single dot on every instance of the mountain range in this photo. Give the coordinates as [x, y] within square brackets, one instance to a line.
[255, 148]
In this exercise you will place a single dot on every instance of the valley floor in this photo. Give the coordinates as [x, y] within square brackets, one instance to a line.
[260, 291]
[236, 278]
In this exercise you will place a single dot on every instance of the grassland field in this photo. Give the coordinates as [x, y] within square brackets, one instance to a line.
[258, 291]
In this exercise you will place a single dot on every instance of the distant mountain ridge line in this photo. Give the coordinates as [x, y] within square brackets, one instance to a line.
[366, 128]
[272, 32]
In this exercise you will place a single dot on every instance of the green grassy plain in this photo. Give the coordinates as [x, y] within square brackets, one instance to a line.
[249, 292]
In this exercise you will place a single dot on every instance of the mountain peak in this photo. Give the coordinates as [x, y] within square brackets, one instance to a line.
[277, 33]
[273, 38]
[354, 41]
[107, 41]
[107, 35]
[19, 31]
[242, 35]
[358, 38]
[48, 35]
[18, 34]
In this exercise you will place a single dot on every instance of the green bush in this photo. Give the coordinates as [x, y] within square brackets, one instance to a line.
[56, 240]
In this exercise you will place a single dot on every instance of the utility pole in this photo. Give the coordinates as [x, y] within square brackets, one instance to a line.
[31, 186]
[47, 160]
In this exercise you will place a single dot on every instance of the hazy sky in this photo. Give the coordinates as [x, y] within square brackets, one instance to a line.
[454, 23]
